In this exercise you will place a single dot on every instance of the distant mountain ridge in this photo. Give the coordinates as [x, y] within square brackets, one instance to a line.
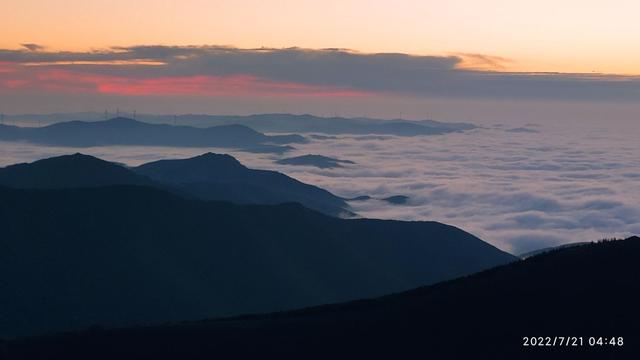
[124, 131]
[132, 255]
[290, 123]
[284, 123]
[208, 177]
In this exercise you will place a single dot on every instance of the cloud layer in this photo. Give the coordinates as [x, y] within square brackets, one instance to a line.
[519, 190]
[218, 71]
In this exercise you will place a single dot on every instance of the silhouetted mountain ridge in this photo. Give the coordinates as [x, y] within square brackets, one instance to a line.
[69, 171]
[587, 291]
[305, 123]
[124, 131]
[196, 169]
[208, 177]
[285, 123]
[221, 177]
[129, 255]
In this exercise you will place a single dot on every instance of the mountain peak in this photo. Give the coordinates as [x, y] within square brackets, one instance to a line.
[213, 176]
[209, 156]
[76, 170]
[196, 169]
[79, 155]
[75, 158]
[223, 162]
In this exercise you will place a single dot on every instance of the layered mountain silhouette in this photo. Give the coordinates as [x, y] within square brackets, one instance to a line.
[290, 123]
[589, 291]
[222, 177]
[133, 255]
[284, 123]
[124, 131]
[69, 171]
[208, 177]
[319, 161]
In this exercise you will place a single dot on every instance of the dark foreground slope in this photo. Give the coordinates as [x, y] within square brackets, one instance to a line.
[585, 291]
[222, 177]
[207, 177]
[123, 131]
[119, 256]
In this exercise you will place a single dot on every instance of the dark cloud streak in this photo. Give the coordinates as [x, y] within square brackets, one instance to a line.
[32, 47]
[384, 73]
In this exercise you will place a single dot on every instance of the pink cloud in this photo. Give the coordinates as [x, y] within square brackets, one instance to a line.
[7, 67]
[16, 83]
[53, 79]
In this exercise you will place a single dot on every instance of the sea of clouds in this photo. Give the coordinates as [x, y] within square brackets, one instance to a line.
[520, 188]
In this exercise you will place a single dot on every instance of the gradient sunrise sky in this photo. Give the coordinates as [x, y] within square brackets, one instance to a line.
[176, 48]
[542, 35]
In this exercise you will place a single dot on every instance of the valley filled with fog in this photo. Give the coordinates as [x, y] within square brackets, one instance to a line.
[520, 186]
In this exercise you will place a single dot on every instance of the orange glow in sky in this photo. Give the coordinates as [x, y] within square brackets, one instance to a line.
[542, 35]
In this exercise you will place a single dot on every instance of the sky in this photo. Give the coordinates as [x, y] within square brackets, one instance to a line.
[330, 57]
[543, 35]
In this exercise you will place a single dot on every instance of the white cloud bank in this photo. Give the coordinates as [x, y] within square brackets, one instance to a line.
[519, 190]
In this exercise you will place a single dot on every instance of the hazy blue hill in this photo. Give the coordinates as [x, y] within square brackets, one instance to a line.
[290, 123]
[208, 177]
[583, 291]
[397, 199]
[394, 200]
[69, 171]
[123, 131]
[8, 131]
[319, 161]
[284, 123]
[222, 177]
[130, 255]
[200, 168]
